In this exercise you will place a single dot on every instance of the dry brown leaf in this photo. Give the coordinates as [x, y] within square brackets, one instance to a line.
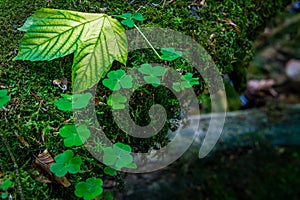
[22, 140]
[231, 23]
[39, 176]
[44, 160]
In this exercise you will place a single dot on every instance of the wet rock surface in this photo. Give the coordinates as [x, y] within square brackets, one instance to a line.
[244, 132]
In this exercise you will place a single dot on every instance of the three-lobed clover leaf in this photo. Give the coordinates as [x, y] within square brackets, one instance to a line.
[89, 189]
[76, 101]
[74, 136]
[110, 171]
[128, 19]
[170, 54]
[188, 82]
[152, 73]
[117, 101]
[4, 98]
[65, 162]
[117, 79]
[118, 156]
[6, 184]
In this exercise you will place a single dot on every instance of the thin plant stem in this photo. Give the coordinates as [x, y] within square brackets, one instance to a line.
[15, 166]
[147, 41]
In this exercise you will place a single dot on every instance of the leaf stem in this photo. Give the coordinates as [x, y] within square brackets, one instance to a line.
[147, 41]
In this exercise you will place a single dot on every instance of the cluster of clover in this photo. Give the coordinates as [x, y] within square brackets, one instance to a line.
[44, 24]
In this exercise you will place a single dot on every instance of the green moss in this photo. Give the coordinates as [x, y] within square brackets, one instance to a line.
[31, 112]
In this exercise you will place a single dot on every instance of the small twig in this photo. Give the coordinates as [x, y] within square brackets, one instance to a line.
[164, 2]
[142, 7]
[139, 8]
[15, 166]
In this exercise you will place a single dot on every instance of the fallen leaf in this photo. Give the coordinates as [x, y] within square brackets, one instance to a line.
[44, 160]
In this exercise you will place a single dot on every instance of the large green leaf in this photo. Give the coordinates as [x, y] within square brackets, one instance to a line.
[96, 39]
[56, 34]
[38, 15]
[95, 56]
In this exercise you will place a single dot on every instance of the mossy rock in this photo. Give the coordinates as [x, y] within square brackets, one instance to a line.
[226, 29]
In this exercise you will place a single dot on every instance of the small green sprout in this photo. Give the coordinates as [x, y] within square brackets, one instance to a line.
[117, 101]
[152, 73]
[4, 98]
[188, 82]
[89, 189]
[118, 156]
[170, 54]
[97, 147]
[79, 101]
[110, 171]
[117, 79]
[128, 19]
[74, 136]
[65, 162]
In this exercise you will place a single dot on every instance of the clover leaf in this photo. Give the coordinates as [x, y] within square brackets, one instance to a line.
[170, 54]
[117, 101]
[74, 136]
[6, 184]
[189, 78]
[152, 73]
[4, 98]
[177, 86]
[117, 79]
[188, 82]
[128, 22]
[138, 16]
[64, 103]
[110, 171]
[128, 19]
[89, 189]
[4, 195]
[79, 101]
[65, 162]
[118, 156]
[131, 166]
